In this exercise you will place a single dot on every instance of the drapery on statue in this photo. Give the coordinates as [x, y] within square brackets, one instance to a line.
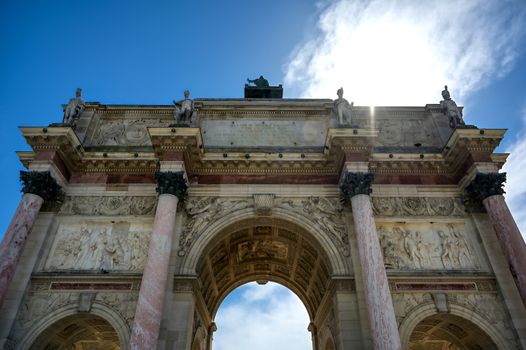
[259, 82]
[184, 109]
[74, 108]
[451, 110]
[343, 108]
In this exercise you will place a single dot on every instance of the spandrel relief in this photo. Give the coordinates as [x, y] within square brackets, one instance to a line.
[100, 246]
[424, 247]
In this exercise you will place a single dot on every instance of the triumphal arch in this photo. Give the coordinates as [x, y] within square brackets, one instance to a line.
[136, 221]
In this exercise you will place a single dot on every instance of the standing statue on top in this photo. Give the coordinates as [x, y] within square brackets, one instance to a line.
[451, 110]
[74, 108]
[343, 109]
[184, 109]
[259, 82]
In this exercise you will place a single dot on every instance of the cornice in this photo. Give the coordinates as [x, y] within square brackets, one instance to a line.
[187, 144]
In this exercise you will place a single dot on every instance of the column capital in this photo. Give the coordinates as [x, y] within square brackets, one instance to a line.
[485, 185]
[356, 183]
[42, 184]
[171, 182]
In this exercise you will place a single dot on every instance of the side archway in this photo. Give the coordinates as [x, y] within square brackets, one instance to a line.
[101, 319]
[461, 327]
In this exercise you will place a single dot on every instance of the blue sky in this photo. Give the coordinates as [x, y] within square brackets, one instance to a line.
[398, 52]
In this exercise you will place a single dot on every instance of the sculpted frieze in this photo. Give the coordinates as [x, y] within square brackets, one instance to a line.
[102, 205]
[100, 246]
[417, 206]
[420, 247]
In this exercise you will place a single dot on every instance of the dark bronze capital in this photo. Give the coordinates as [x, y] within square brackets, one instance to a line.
[42, 184]
[485, 185]
[356, 183]
[171, 182]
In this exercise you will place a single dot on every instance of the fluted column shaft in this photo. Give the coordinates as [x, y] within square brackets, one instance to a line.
[38, 186]
[148, 314]
[377, 295]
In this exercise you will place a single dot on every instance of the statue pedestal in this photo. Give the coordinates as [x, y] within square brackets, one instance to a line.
[265, 92]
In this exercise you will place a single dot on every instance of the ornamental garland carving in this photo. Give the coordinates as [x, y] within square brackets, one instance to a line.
[101, 205]
[418, 247]
[417, 206]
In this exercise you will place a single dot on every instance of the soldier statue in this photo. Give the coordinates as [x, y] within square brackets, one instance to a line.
[343, 108]
[74, 108]
[184, 109]
[451, 110]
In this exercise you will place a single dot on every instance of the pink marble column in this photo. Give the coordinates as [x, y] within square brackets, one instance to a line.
[510, 239]
[489, 188]
[380, 308]
[15, 238]
[148, 315]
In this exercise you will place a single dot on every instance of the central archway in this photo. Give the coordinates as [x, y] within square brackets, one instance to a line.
[282, 253]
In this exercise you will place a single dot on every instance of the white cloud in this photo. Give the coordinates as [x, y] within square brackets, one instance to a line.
[516, 178]
[263, 317]
[403, 52]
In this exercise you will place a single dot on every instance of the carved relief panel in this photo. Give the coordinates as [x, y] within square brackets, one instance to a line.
[100, 245]
[427, 247]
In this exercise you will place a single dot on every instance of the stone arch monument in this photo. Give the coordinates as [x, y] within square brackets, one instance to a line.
[135, 223]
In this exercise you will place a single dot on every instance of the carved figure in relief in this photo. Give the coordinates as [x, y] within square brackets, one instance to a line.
[464, 254]
[451, 110]
[184, 109]
[138, 243]
[390, 249]
[446, 245]
[343, 108]
[413, 247]
[74, 108]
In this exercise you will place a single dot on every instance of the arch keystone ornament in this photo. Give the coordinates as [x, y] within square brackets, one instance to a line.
[356, 188]
[37, 188]
[488, 188]
[147, 322]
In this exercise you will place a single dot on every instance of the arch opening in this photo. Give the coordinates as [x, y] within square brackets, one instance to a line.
[255, 316]
[78, 332]
[282, 252]
[447, 331]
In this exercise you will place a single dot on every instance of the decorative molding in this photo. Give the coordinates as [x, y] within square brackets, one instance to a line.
[417, 206]
[42, 184]
[356, 183]
[170, 182]
[102, 205]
